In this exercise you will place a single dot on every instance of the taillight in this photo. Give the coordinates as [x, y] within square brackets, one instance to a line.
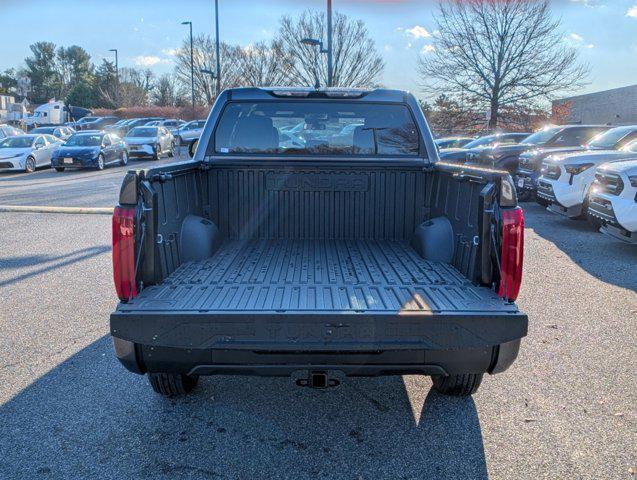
[124, 252]
[512, 253]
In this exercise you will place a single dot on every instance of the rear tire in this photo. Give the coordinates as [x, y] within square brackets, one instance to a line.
[171, 152]
[59, 169]
[124, 159]
[172, 384]
[29, 165]
[100, 162]
[461, 385]
[542, 202]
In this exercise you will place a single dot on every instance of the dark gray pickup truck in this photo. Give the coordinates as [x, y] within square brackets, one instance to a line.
[315, 234]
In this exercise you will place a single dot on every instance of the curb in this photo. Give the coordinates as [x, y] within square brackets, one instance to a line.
[44, 209]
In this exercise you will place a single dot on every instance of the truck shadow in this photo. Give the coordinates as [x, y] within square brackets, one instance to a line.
[610, 260]
[89, 418]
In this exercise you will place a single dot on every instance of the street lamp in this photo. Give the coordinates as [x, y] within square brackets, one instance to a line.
[314, 42]
[192, 67]
[116, 76]
[213, 76]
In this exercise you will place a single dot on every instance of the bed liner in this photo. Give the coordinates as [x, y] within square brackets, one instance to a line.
[316, 276]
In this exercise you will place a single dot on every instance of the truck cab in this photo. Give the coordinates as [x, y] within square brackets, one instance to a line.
[335, 256]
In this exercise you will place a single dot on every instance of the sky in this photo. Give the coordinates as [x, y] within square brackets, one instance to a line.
[147, 32]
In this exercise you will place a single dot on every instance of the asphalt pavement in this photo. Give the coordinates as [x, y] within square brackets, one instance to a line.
[73, 188]
[68, 409]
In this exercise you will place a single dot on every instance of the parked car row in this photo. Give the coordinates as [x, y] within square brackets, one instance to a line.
[579, 171]
[62, 147]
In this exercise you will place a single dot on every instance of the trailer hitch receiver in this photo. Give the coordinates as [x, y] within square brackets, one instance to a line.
[318, 379]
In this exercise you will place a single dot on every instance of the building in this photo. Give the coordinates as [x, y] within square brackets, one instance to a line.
[614, 107]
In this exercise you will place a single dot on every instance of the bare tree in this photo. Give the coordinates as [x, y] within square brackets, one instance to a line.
[134, 87]
[165, 92]
[500, 53]
[204, 58]
[356, 61]
[264, 64]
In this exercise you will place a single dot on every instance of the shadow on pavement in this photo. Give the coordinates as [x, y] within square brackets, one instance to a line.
[89, 418]
[608, 259]
[46, 262]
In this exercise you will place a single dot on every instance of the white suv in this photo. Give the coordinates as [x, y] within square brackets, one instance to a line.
[613, 199]
[566, 179]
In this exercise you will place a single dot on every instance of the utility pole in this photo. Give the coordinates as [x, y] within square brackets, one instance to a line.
[218, 87]
[116, 77]
[192, 67]
[330, 72]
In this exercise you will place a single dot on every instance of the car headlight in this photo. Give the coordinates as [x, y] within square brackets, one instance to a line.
[577, 168]
[633, 181]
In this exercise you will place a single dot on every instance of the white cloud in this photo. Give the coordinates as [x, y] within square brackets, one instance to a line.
[576, 40]
[388, 47]
[418, 32]
[427, 49]
[588, 3]
[149, 60]
[171, 52]
[632, 12]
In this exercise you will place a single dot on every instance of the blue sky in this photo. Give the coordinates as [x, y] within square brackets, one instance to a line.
[604, 31]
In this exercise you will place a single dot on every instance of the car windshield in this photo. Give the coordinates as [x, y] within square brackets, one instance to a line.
[542, 136]
[252, 127]
[610, 138]
[84, 141]
[142, 132]
[17, 142]
[479, 142]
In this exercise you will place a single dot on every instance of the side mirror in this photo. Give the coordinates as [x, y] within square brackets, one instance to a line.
[192, 148]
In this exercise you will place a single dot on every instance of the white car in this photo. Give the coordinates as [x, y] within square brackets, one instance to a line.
[149, 142]
[613, 199]
[567, 178]
[27, 152]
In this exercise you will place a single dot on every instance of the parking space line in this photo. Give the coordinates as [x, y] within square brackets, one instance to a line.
[47, 209]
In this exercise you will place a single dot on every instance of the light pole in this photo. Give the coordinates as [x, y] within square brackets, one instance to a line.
[213, 76]
[315, 42]
[116, 77]
[192, 67]
[218, 76]
[330, 72]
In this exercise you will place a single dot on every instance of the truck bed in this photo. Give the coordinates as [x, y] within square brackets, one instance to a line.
[316, 276]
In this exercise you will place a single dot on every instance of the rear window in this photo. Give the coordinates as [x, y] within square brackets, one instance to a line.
[316, 128]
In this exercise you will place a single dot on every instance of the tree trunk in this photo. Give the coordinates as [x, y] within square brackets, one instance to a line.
[493, 119]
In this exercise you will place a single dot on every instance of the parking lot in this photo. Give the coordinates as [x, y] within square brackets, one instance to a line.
[68, 409]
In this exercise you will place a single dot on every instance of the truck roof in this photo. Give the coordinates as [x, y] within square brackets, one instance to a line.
[267, 93]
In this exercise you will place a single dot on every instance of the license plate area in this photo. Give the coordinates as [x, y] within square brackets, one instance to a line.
[68, 161]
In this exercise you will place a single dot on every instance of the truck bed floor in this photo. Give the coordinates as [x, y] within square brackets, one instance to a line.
[316, 275]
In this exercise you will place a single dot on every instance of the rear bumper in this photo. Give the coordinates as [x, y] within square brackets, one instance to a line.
[358, 346]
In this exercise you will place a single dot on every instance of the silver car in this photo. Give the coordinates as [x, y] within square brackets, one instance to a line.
[27, 152]
[9, 131]
[61, 132]
[150, 142]
[189, 132]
